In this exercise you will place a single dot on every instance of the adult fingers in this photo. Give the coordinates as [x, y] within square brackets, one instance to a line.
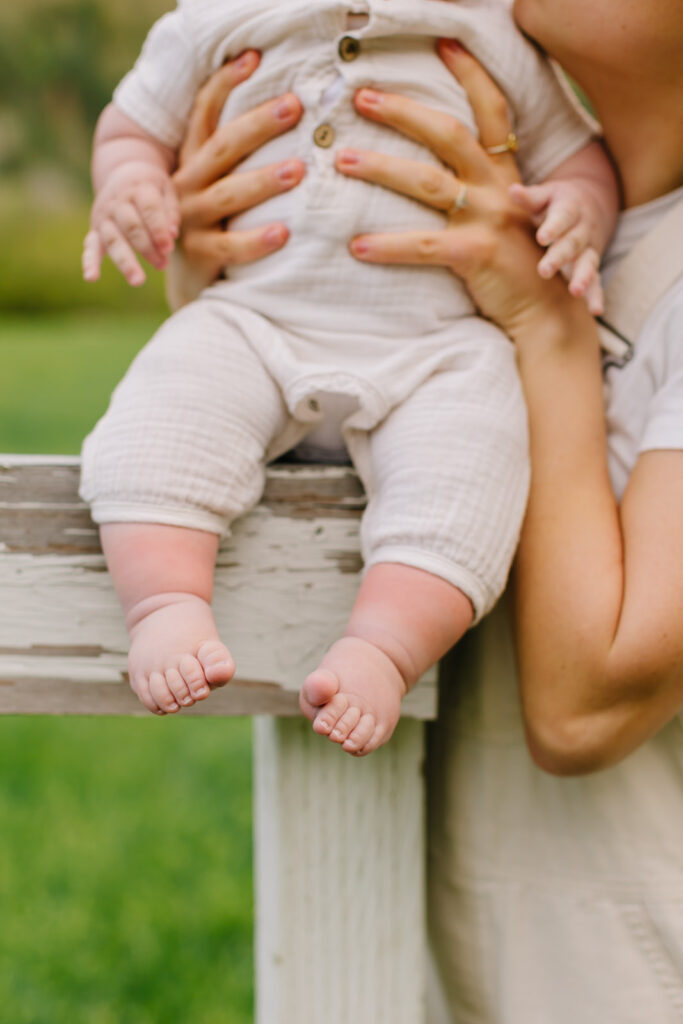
[238, 192]
[218, 249]
[433, 186]
[231, 142]
[438, 132]
[489, 105]
[210, 100]
[460, 250]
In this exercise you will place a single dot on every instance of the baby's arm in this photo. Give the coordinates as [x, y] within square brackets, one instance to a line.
[135, 207]
[576, 208]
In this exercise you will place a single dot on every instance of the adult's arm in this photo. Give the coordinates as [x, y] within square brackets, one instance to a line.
[598, 586]
[210, 190]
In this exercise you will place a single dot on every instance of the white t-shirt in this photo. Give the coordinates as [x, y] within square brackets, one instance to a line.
[644, 399]
[557, 901]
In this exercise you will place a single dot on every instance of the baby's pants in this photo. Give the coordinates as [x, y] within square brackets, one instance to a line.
[190, 427]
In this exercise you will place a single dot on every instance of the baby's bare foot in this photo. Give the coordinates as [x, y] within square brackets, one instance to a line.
[176, 655]
[354, 696]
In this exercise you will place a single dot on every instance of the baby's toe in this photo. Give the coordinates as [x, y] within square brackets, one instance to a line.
[361, 735]
[320, 687]
[326, 719]
[379, 736]
[160, 692]
[179, 687]
[216, 662]
[140, 686]
[346, 724]
[193, 674]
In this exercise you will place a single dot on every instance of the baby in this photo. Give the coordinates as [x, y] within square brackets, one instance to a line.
[395, 359]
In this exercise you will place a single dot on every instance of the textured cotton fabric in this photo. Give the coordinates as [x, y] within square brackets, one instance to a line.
[557, 901]
[432, 410]
[299, 41]
[192, 424]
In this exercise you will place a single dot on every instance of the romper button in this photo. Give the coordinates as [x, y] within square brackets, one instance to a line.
[349, 48]
[314, 405]
[323, 136]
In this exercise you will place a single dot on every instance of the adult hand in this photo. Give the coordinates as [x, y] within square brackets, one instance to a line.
[487, 238]
[210, 191]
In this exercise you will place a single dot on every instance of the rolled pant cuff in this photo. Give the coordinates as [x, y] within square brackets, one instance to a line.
[162, 515]
[481, 597]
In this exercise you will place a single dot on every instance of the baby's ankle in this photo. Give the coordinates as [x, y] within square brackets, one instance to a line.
[147, 606]
[384, 641]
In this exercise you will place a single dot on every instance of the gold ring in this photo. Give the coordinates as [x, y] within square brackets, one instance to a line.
[460, 201]
[511, 145]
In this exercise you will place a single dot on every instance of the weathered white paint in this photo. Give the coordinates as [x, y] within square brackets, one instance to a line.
[339, 879]
[60, 618]
[284, 587]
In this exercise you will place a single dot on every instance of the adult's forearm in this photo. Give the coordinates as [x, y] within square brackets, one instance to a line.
[589, 687]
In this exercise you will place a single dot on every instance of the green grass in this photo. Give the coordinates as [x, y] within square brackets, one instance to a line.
[125, 871]
[125, 844]
[58, 371]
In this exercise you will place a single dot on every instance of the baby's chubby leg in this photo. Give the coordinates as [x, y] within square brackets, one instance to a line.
[163, 576]
[404, 619]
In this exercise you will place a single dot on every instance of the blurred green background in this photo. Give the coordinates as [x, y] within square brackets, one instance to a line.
[125, 845]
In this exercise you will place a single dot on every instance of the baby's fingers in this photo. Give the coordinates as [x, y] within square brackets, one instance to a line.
[561, 217]
[129, 220]
[585, 281]
[158, 213]
[532, 198]
[566, 250]
[121, 252]
[93, 254]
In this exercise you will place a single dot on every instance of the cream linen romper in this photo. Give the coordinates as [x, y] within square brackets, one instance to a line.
[432, 410]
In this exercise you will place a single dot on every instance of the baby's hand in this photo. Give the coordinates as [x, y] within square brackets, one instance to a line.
[135, 210]
[572, 227]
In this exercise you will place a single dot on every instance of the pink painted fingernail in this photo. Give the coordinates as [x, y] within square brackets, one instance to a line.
[359, 247]
[289, 172]
[369, 97]
[245, 60]
[348, 156]
[452, 44]
[276, 235]
[284, 110]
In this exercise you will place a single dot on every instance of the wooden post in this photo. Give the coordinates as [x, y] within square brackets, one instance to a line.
[339, 879]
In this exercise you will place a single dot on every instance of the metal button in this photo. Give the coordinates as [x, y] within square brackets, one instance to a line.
[323, 136]
[349, 48]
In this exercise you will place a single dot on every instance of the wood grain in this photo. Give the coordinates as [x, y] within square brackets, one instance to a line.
[285, 582]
